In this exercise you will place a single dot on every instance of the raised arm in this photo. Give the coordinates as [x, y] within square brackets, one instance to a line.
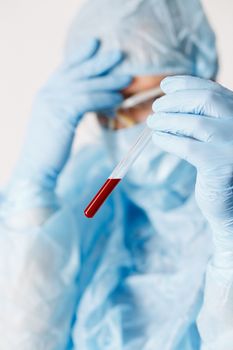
[194, 121]
[43, 241]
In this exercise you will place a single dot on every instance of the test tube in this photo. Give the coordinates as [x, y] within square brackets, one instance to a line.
[118, 173]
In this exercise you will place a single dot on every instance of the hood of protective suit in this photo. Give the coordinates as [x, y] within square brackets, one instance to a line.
[157, 36]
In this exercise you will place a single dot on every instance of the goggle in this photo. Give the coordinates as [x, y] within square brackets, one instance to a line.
[133, 110]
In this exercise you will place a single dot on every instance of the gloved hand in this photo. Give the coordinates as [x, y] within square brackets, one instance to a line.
[194, 121]
[84, 84]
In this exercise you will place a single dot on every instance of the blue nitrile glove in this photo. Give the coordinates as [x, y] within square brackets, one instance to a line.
[84, 84]
[194, 121]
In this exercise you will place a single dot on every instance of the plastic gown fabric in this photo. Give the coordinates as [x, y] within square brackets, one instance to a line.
[117, 280]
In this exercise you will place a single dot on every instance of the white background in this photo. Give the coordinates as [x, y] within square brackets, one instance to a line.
[32, 33]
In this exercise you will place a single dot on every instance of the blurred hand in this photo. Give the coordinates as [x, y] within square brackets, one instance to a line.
[84, 84]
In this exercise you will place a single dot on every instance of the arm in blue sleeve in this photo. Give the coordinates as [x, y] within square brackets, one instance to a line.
[39, 275]
[194, 121]
[215, 320]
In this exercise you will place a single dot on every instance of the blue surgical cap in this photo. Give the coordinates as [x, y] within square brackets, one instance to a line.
[157, 36]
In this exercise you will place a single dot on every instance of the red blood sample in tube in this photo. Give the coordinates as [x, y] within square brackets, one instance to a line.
[100, 197]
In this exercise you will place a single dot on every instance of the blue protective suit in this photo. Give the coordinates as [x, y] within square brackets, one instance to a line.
[117, 281]
[132, 278]
[150, 260]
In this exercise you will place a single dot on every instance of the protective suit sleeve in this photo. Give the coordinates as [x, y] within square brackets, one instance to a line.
[37, 284]
[39, 278]
[215, 321]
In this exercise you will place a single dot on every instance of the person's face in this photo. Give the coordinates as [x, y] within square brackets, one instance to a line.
[137, 114]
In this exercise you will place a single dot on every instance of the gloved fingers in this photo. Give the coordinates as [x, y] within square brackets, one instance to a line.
[80, 75]
[182, 147]
[85, 50]
[201, 128]
[200, 102]
[184, 82]
[97, 66]
[97, 101]
[108, 82]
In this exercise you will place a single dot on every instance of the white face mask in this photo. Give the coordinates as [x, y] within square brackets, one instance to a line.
[153, 172]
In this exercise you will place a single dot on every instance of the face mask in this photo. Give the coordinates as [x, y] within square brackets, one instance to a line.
[154, 175]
